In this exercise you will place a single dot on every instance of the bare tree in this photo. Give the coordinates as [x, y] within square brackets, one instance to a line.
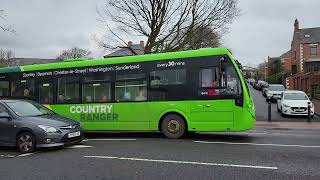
[203, 38]
[7, 58]
[74, 53]
[3, 23]
[168, 25]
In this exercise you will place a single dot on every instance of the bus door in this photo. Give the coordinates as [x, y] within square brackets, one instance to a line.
[131, 97]
[46, 89]
[216, 97]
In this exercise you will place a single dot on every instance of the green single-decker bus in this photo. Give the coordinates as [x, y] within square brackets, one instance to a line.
[173, 93]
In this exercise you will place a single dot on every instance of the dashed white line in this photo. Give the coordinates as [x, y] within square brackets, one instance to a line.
[111, 139]
[7, 156]
[26, 154]
[184, 162]
[256, 144]
[78, 146]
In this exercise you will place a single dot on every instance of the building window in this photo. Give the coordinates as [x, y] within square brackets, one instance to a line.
[68, 90]
[22, 88]
[313, 51]
[4, 88]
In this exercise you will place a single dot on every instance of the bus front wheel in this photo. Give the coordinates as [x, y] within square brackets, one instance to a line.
[173, 126]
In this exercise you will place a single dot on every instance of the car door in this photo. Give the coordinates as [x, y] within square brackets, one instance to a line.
[7, 128]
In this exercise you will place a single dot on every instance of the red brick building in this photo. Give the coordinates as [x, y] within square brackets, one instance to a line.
[304, 60]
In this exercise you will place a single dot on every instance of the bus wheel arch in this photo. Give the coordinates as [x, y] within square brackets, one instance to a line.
[175, 118]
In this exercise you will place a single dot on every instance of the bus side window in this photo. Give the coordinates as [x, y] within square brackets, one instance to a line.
[167, 84]
[68, 90]
[46, 93]
[96, 88]
[209, 77]
[209, 82]
[23, 88]
[4, 88]
[130, 87]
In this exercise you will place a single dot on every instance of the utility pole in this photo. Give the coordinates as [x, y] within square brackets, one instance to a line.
[265, 70]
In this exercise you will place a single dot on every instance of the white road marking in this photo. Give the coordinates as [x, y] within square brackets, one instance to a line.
[255, 144]
[27, 154]
[112, 139]
[7, 156]
[78, 146]
[183, 162]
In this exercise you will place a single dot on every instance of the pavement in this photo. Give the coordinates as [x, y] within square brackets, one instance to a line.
[316, 103]
[289, 125]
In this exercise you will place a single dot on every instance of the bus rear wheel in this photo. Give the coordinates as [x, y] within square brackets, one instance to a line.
[173, 126]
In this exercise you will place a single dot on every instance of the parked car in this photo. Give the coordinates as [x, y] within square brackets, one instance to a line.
[260, 84]
[251, 81]
[294, 103]
[29, 125]
[264, 89]
[274, 92]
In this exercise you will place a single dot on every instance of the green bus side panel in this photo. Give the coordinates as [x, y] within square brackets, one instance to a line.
[221, 115]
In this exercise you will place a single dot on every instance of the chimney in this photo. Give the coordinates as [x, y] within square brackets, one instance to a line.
[142, 44]
[129, 43]
[296, 25]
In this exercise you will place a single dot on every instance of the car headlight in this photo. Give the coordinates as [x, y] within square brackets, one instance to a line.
[311, 105]
[48, 129]
[285, 105]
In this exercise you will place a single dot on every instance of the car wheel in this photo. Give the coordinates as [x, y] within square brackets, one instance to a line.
[26, 142]
[173, 126]
[278, 108]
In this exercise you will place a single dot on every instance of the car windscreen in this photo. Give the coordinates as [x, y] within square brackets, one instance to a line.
[28, 109]
[295, 96]
[275, 88]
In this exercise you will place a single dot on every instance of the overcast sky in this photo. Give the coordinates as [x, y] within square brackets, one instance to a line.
[46, 27]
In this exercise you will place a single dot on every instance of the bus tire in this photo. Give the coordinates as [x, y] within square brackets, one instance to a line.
[173, 126]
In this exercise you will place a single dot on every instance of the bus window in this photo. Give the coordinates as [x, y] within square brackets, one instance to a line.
[4, 88]
[168, 77]
[131, 91]
[233, 86]
[68, 90]
[22, 88]
[209, 77]
[96, 92]
[46, 93]
[209, 82]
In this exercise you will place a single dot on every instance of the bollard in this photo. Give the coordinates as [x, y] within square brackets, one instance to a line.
[309, 112]
[269, 111]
